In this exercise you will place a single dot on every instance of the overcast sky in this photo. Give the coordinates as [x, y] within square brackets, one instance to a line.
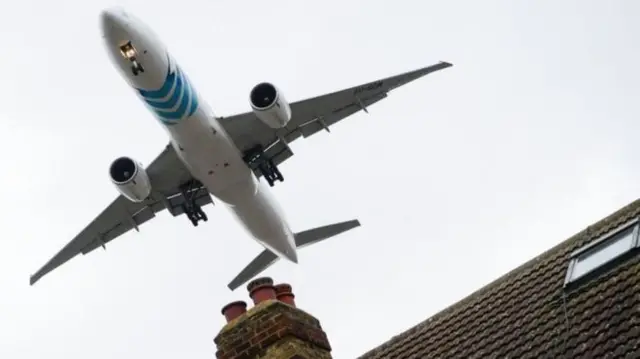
[457, 178]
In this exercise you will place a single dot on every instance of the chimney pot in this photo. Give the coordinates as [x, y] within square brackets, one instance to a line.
[285, 294]
[234, 309]
[258, 282]
[261, 289]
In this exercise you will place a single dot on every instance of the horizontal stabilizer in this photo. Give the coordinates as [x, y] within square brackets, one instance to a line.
[266, 258]
[315, 235]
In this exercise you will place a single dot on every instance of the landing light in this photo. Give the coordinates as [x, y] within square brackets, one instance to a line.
[128, 51]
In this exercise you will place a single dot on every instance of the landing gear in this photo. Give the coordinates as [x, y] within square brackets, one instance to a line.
[190, 208]
[194, 213]
[136, 68]
[268, 169]
[270, 172]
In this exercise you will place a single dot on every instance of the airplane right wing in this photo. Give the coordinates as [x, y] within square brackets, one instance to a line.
[313, 115]
[170, 182]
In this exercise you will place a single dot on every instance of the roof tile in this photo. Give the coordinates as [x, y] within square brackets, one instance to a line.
[527, 313]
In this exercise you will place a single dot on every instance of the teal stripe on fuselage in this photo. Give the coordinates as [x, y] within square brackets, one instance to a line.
[174, 100]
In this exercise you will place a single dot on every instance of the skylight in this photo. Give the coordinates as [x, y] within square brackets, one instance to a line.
[603, 252]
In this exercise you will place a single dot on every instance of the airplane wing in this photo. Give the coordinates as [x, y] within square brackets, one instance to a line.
[313, 115]
[167, 175]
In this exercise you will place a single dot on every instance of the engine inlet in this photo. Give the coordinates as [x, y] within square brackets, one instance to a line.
[263, 95]
[122, 169]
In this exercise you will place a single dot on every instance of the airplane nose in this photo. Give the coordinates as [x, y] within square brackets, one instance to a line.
[110, 18]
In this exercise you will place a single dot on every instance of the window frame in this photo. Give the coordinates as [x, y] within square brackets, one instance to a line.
[601, 242]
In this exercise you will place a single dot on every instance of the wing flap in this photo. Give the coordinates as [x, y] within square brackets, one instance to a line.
[324, 123]
[124, 226]
[145, 214]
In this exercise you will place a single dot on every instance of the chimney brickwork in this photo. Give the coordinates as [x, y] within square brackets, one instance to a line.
[274, 328]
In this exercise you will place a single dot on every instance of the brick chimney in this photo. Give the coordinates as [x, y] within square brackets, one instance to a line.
[274, 328]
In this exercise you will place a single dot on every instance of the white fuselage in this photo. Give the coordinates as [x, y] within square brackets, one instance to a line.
[196, 135]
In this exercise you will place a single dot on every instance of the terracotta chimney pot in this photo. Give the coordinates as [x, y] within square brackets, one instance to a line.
[261, 289]
[234, 309]
[285, 294]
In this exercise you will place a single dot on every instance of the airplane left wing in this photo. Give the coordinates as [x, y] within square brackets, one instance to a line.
[313, 115]
[168, 177]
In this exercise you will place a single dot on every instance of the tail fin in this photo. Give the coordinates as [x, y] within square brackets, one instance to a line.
[266, 258]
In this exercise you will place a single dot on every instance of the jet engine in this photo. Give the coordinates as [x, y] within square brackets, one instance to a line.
[269, 105]
[130, 178]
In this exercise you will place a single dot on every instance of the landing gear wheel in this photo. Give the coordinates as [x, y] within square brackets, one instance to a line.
[278, 174]
[136, 68]
[200, 214]
[195, 214]
[271, 173]
[270, 180]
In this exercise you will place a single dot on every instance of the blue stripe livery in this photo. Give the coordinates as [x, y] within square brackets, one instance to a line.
[175, 100]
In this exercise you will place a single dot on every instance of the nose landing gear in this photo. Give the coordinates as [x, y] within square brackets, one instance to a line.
[136, 68]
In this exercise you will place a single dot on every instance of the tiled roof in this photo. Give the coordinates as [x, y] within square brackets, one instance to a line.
[528, 314]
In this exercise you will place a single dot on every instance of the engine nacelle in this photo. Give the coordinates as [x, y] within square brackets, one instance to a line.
[269, 105]
[130, 178]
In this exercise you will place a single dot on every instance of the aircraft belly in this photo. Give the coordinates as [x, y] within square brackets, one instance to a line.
[262, 218]
[234, 184]
[211, 158]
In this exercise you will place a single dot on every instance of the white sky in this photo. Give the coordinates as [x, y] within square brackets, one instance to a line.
[457, 178]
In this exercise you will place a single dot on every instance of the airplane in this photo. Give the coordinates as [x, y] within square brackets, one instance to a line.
[213, 156]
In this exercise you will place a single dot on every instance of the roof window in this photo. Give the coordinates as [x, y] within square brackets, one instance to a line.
[603, 253]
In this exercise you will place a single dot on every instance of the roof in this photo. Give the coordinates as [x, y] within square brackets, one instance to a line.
[528, 314]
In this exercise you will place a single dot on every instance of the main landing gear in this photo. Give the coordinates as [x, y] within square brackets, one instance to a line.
[267, 167]
[191, 209]
[270, 172]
